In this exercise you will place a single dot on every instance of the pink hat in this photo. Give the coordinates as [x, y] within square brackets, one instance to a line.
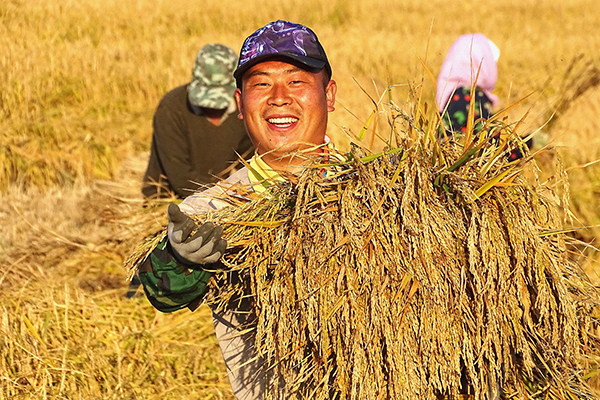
[465, 57]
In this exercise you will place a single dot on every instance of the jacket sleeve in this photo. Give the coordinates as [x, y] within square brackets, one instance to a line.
[169, 285]
[173, 148]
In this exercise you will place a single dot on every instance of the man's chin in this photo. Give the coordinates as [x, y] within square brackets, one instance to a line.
[289, 149]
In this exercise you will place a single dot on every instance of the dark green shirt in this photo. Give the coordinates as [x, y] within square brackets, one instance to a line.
[187, 149]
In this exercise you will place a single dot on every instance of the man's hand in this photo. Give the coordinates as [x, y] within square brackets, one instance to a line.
[203, 247]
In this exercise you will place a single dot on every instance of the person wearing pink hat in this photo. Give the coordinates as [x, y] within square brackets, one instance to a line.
[471, 61]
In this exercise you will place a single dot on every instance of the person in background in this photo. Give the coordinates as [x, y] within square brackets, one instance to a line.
[284, 94]
[469, 55]
[472, 58]
[197, 139]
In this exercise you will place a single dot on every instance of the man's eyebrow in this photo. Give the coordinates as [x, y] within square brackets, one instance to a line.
[257, 73]
[293, 70]
[287, 71]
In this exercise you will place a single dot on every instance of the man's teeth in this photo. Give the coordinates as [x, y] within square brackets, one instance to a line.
[282, 121]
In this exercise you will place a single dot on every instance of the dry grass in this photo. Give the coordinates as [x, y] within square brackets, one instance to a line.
[67, 329]
[579, 151]
[62, 342]
[89, 82]
[80, 82]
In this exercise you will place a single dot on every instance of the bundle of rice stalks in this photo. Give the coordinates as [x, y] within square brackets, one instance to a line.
[427, 271]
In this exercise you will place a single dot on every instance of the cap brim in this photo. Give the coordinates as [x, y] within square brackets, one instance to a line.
[309, 62]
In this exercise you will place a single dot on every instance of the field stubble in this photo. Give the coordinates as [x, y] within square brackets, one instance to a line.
[80, 82]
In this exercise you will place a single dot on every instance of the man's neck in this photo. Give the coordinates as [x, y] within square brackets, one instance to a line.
[285, 164]
[214, 115]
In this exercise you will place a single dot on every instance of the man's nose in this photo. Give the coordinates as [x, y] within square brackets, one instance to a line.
[280, 95]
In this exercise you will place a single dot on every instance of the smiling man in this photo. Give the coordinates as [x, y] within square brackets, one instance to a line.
[284, 91]
[284, 94]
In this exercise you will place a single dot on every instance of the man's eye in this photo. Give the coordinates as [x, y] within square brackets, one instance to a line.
[257, 83]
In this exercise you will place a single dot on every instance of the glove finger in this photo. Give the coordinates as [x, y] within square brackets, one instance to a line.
[213, 258]
[179, 232]
[187, 227]
[199, 244]
[190, 247]
[175, 214]
[221, 246]
[209, 246]
[205, 231]
[218, 252]
[180, 224]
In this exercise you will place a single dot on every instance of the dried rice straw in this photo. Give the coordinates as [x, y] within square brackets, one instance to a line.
[418, 273]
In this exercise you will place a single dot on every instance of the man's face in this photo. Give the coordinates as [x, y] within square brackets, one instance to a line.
[284, 107]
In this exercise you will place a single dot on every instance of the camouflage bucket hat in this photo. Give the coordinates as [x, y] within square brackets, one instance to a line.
[212, 83]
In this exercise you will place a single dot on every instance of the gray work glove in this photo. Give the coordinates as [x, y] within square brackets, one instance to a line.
[203, 247]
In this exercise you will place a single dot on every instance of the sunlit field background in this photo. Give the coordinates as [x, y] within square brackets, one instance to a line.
[79, 84]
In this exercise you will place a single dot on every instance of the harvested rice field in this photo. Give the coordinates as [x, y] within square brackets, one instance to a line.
[457, 256]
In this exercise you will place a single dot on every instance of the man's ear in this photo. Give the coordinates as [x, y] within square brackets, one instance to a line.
[238, 100]
[330, 91]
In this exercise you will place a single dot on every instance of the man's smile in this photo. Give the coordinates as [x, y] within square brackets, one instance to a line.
[282, 122]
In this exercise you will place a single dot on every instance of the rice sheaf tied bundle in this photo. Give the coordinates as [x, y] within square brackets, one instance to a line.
[390, 277]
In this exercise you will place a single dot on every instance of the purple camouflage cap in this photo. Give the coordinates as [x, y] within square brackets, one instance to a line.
[282, 39]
